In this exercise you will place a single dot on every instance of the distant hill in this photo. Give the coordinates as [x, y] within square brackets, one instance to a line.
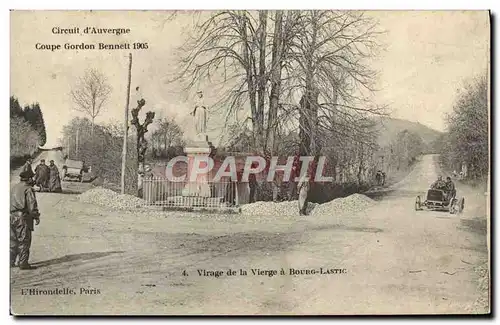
[389, 128]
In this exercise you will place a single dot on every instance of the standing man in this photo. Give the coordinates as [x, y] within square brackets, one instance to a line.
[55, 179]
[378, 177]
[292, 185]
[42, 173]
[23, 213]
[252, 184]
[27, 167]
[230, 194]
[303, 188]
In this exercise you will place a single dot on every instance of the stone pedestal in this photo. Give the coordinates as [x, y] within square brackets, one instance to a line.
[197, 153]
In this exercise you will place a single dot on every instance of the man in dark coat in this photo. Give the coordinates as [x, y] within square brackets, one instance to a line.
[252, 184]
[295, 173]
[378, 177]
[55, 179]
[42, 175]
[450, 188]
[230, 194]
[27, 167]
[23, 215]
[303, 188]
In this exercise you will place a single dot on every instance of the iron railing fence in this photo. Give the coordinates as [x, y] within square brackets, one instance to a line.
[162, 192]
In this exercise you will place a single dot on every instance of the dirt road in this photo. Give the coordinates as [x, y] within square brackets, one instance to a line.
[393, 259]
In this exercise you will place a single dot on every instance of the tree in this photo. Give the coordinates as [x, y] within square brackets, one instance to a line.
[142, 143]
[239, 139]
[103, 151]
[318, 58]
[39, 123]
[33, 115]
[23, 138]
[90, 94]
[15, 108]
[298, 72]
[27, 128]
[285, 29]
[408, 146]
[467, 139]
[328, 69]
[168, 134]
[236, 42]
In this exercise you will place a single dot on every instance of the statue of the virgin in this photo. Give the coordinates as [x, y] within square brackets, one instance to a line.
[199, 114]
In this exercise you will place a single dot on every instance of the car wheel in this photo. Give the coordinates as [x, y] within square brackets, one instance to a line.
[461, 205]
[453, 206]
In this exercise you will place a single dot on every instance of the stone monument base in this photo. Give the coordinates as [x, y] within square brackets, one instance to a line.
[196, 189]
[200, 187]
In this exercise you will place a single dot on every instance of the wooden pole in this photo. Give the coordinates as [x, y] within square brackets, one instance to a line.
[77, 140]
[125, 132]
[68, 148]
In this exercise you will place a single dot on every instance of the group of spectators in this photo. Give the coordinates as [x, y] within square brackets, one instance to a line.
[47, 178]
[380, 178]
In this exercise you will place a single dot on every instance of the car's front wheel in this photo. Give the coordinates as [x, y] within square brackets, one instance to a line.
[461, 205]
[418, 203]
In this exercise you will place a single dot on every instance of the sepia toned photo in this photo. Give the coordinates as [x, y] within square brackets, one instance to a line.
[272, 162]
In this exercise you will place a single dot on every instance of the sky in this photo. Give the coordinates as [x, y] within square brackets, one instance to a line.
[427, 57]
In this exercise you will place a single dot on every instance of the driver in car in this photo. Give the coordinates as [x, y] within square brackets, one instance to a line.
[439, 184]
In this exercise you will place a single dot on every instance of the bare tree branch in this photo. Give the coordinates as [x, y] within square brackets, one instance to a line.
[91, 93]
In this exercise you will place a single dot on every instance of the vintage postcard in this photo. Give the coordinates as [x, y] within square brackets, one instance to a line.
[307, 162]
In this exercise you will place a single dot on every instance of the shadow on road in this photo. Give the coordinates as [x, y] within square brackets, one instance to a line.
[251, 241]
[393, 193]
[343, 227]
[75, 257]
[476, 225]
[63, 192]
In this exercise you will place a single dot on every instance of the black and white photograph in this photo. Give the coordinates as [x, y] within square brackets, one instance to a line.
[250, 162]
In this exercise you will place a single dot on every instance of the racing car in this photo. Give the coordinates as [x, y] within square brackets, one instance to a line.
[440, 200]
